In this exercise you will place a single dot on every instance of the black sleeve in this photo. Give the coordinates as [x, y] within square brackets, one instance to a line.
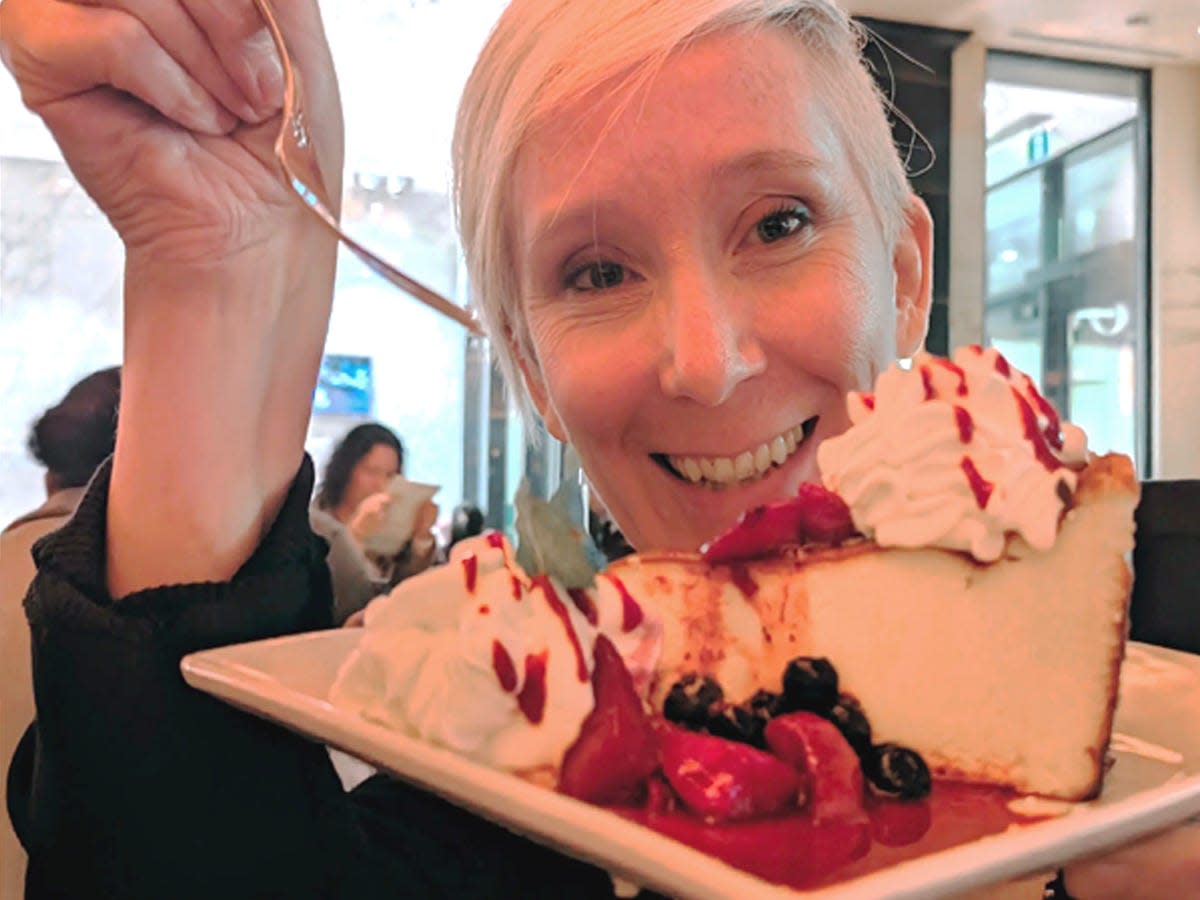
[133, 785]
[139, 786]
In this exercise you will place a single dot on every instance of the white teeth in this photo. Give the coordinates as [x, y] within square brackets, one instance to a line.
[723, 469]
[779, 451]
[743, 466]
[762, 457]
[750, 464]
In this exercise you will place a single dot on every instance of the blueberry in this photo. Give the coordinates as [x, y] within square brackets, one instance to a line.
[690, 697]
[737, 722]
[810, 684]
[897, 772]
[852, 722]
[766, 703]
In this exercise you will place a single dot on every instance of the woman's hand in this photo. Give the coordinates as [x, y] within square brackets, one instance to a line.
[369, 516]
[166, 111]
[426, 519]
[1165, 865]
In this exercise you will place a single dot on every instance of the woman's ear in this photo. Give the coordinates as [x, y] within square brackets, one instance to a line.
[912, 263]
[532, 376]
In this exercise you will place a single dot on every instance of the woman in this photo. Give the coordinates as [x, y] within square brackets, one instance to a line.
[693, 236]
[350, 506]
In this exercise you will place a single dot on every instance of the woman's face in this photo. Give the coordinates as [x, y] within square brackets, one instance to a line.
[704, 279]
[371, 474]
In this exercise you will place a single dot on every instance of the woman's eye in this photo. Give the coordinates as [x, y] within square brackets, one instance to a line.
[597, 276]
[782, 223]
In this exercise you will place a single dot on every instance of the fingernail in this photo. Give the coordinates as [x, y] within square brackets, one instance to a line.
[266, 71]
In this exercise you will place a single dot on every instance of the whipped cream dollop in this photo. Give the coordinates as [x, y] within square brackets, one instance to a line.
[482, 658]
[957, 454]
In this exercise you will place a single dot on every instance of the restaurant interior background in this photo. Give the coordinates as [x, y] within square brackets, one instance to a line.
[1061, 140]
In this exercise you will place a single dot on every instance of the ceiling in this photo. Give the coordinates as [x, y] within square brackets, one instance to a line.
[1125, 32]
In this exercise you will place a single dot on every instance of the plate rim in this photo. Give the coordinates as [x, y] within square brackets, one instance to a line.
[224, 673]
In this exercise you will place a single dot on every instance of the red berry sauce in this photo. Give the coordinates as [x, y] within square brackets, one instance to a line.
[560, 610]
[792, 851]
[470, 564]
[532, 698]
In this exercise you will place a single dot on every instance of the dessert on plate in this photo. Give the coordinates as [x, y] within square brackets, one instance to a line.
[947, 608]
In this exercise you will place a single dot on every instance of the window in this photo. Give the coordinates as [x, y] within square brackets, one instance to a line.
[1066, 214]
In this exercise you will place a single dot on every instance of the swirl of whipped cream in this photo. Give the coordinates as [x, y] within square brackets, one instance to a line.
[478, 657]
[954, 454]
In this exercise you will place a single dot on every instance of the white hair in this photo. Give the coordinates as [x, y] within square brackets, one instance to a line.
[543, 55]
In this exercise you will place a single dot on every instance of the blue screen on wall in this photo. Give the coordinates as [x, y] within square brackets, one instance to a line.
[345, 386]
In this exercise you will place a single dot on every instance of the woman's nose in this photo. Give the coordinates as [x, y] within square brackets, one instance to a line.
[709, 346]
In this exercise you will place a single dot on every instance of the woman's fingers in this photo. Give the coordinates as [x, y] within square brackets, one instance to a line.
[177, 32]
[240, 39]
[60, 51]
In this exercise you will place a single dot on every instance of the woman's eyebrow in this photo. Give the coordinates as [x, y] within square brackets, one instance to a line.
[769, 161]
[779, 160]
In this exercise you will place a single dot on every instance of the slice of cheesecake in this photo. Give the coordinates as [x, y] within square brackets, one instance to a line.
[1001, 673]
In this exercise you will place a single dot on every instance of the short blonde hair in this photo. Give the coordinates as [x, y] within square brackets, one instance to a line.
[544, 55]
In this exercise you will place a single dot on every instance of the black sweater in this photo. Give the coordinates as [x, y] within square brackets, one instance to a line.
[132, 784]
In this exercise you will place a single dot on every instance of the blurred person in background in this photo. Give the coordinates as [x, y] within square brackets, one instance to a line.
[351, 505]
[70, 440]
[466, 521]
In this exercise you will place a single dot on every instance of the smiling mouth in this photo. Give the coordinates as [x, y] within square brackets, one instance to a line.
[719, 472]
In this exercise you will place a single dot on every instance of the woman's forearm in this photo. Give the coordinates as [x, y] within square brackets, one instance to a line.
[220, 363]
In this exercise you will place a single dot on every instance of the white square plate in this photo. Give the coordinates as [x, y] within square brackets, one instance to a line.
[287, 680]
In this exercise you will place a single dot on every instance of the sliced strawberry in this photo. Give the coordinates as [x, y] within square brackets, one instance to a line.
[725, 780]
[757, 532]
[815, 746]
[814, 515]
[826, 517]
[616, 751]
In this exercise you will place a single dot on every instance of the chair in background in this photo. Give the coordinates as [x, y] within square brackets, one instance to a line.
[1165, 608]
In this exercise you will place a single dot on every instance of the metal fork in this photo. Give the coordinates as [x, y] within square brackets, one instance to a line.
[297, 158]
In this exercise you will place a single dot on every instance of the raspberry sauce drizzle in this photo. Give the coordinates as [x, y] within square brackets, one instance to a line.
[502, 665]
[532, 698]
[927, 382]
[560, 610]
[583, 603]
[966, 426]
[631, 612]
[1034, 435]
[955, 370]
[470, 564]
[980, 486]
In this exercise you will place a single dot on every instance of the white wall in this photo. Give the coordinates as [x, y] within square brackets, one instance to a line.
[1175, 270]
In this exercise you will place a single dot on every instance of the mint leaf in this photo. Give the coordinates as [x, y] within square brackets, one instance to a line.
[550, 540]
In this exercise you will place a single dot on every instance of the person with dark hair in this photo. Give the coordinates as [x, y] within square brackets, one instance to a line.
[70, 440]
[350, 505]
[466, 521]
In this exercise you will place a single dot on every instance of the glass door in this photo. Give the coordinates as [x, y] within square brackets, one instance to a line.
[1066, 239]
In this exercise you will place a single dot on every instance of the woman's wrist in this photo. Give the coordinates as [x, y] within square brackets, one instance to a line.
[220, 360]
